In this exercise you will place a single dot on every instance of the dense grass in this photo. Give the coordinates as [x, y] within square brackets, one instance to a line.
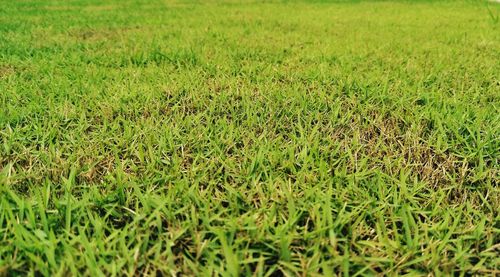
[249, 137]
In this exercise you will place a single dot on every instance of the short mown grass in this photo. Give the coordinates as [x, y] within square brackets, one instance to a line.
[249, 138]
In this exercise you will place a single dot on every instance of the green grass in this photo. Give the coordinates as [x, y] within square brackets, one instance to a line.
[237, 138]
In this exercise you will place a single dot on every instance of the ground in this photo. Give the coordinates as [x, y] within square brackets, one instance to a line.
[253, 137]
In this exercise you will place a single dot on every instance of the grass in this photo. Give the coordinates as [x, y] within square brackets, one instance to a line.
[238, 138]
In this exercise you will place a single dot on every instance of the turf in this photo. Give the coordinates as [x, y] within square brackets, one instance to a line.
[238, 138]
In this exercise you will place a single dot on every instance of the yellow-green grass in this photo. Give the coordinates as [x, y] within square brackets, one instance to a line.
[255, 137]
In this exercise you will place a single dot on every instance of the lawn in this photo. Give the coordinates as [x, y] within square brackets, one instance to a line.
[261, 138]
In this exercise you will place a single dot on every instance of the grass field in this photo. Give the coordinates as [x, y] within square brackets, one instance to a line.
[239, 138]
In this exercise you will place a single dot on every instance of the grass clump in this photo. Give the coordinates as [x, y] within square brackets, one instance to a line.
[238, 138]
